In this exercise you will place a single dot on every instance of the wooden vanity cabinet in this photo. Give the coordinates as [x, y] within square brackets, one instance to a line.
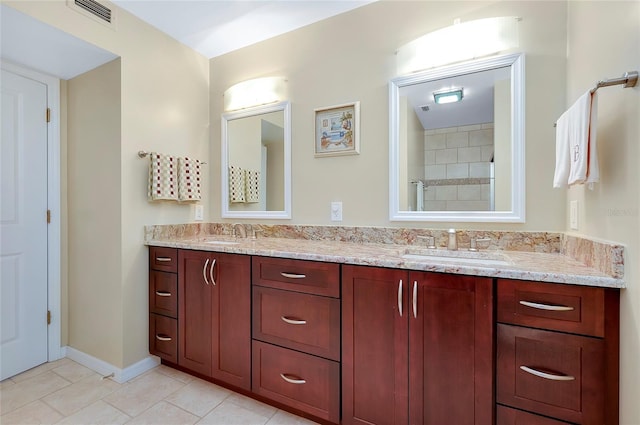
[557, 352]
[296, 334]
[214, 293]
[163, 303]
[417, 347]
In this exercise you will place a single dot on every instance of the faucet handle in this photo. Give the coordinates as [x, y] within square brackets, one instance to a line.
[473, 243]
[431, 241]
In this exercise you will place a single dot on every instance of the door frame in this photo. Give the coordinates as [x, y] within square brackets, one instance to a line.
[54, 330]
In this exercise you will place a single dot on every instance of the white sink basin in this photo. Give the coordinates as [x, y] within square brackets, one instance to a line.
[462, 257]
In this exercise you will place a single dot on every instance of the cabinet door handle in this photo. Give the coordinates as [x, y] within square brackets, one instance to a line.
[549, 307]
[400, 297]
[546, 375]
[293, 321]
[161, 337]
[213, 264]
[292, 380]
[293, 275]
[163, 259]
[163, 294]
[204, 271]
[415, 299]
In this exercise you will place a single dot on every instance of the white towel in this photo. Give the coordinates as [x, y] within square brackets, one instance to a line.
[189, 180]
[236, 184]
[252, 186]
[163, 183]
[576, 151]
[419, 195]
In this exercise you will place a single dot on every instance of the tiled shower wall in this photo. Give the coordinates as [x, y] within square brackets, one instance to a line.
[458, 153]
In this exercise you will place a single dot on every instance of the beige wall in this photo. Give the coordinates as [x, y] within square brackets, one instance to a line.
[604, 42]
[165, 108]
[351, 57]
[93, 167]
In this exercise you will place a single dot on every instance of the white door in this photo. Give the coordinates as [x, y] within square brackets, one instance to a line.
[23, 225]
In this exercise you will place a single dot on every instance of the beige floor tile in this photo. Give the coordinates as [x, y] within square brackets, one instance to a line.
[140, 394]
[38, 370]
[164, 413]
[81, 394]
[255, 406]
[33, 413]
[230, 414]
[74, 372]
[28, 390]
[97, 413]
[285, 418]
[174, 373]
[198, 397]
[6, 383]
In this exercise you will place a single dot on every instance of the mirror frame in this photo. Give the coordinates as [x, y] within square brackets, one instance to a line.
[517, 212]
[284, 106]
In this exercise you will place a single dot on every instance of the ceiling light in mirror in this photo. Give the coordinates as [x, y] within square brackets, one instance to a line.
[449, 96]
[250, 93]
[459, 42]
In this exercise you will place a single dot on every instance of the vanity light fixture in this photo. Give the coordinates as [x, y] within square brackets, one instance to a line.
[255, 92]
[449, 96]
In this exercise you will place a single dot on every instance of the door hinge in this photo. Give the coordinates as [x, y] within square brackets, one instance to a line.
[48, 216]
[48, 115]
[48, 317]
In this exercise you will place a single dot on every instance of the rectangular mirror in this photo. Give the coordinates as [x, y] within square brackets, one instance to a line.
[457, 143]
[256, 162]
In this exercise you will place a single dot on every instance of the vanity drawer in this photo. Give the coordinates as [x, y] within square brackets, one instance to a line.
[163, 293]
[304, 322]
[554, 374]
[163, 337]
[312, 277]
[298, 380]
[163, 259]
[509, 416]
[566, 308]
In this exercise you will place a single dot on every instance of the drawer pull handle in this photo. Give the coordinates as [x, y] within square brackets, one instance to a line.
[400, 297]
[293, 321]
[293, 275]
[292, 380]
[163, 337]
[546, 375]
[548, 307]
[163, 259]
[204, 271]
[213, 264]
[415, 299]
[163, 294]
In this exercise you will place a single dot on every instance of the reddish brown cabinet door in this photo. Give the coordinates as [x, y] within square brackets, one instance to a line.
[214, 314]
[450, 349]
[374, 346]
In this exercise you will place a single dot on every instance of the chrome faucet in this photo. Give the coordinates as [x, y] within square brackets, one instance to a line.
[239, 231]
[453, 240]
[473, 245]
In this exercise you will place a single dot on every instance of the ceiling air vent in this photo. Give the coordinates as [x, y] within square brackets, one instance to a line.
[102, 12]
[424, 108]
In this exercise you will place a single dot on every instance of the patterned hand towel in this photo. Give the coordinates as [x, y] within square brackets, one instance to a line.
[252, 186]
[189, 180]
[236, 184]
[163, 183]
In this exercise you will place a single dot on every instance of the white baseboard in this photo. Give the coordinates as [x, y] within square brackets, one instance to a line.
[105, 369]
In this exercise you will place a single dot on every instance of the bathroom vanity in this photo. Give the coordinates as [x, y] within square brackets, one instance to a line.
[359, 333]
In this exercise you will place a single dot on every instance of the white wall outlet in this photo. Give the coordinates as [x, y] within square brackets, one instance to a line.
[198, 213]
[573, 215]
[336, 211]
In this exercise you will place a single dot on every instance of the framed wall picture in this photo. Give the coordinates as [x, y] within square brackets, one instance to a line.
[337, 130]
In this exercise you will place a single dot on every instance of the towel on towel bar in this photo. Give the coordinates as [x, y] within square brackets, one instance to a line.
[236, 184]
[163, 183]
[189, 180]
[576, 153]
[252, 186]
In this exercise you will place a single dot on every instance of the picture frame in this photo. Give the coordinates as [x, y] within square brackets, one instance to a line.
[337, 130]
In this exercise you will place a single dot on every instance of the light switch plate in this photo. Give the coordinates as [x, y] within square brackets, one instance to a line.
[198, 213]
[336, 211]
[573, 215]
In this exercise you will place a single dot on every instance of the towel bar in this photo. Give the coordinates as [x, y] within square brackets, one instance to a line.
[143, 154]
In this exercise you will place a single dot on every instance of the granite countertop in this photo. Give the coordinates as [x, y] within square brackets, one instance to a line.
[536, 266]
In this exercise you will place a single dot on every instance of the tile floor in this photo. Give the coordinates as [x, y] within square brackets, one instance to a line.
[65, 392]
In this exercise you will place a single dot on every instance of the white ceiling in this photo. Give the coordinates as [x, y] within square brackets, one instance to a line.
[216, 27]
